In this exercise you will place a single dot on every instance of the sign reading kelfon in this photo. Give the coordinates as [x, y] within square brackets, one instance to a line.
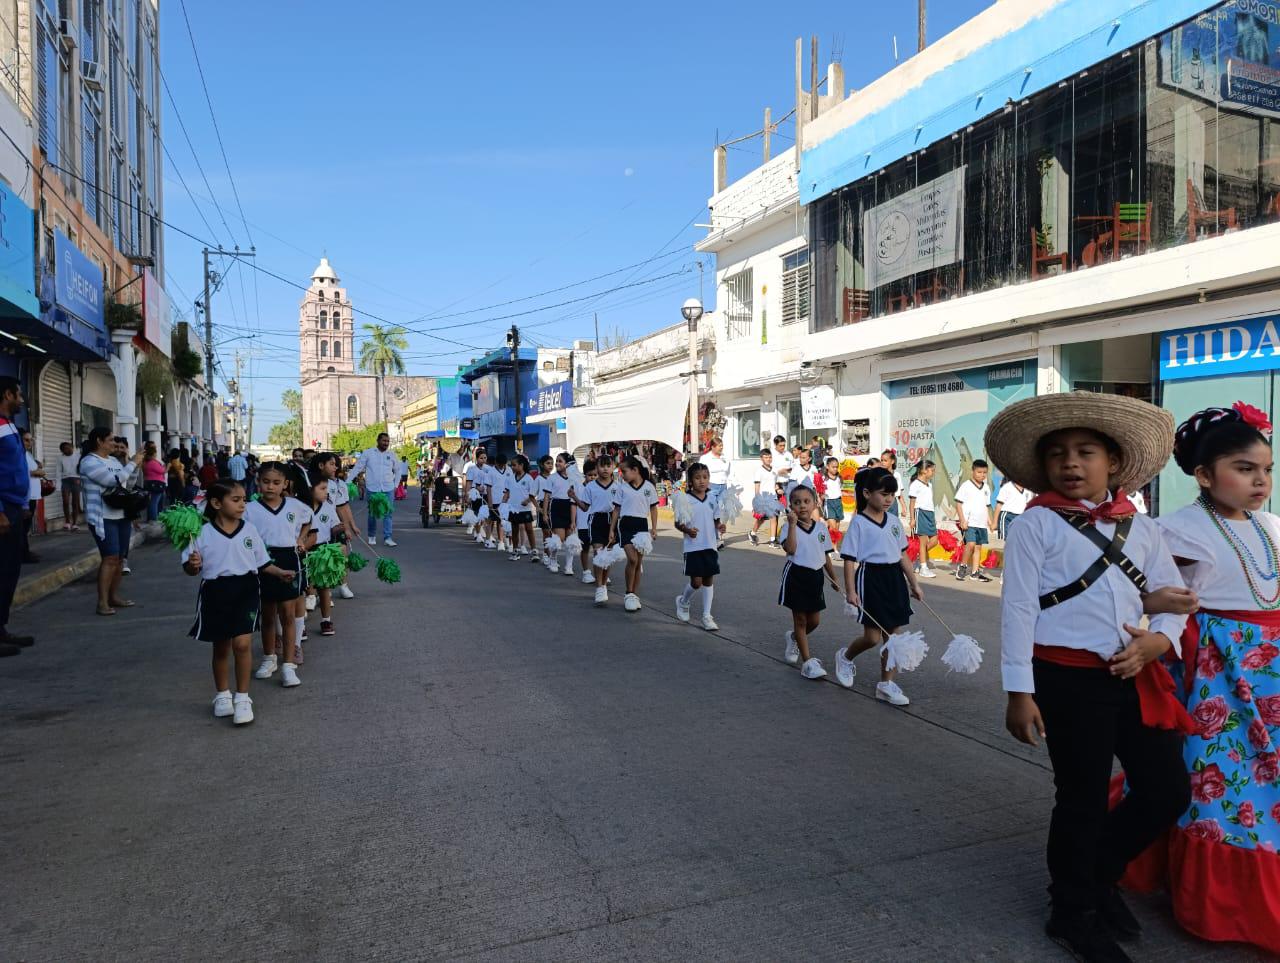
[1227, 347]
[916, 231]
[79, 282]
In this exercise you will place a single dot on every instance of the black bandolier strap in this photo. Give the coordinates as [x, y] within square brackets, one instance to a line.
[1111, 555]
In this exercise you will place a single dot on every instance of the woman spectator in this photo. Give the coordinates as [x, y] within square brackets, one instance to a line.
[153, 477]
[69, 482]
[176, 476]
[36, 471]
[208, 472]
[99, 471]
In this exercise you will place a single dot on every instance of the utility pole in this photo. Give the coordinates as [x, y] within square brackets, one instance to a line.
[211, 277]
[248, 442]
[513, 341]
[595, 317]
[923, 22]
[236, 424]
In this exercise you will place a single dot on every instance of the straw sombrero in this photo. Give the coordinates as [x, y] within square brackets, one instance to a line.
[1143, 432]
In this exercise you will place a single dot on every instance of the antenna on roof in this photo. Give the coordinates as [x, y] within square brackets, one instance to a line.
[895, 48]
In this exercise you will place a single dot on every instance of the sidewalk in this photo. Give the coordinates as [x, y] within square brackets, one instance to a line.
[64, 558]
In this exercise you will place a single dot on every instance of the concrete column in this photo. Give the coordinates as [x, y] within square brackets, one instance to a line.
[124, 367]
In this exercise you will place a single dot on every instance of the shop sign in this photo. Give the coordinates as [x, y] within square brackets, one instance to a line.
[17, 253]
[495, 422]
[818, 406]
[79, 282]
[1224, 348]
[548, 398]
[1226, 56]
[916, 231]
[157, 314]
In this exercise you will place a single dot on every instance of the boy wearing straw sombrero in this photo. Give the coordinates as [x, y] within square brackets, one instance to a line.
[1079, 671]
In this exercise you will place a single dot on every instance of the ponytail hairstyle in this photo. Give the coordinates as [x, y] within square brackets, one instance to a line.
[922, 466]
[219, 490]
[281, 469]
[692, 470]
[522, 461]
[320, 459]
[588, 466]
[312, 502]
[873, 480]
[1217, 433]
[604, 461]
[635, 464]
[546, 464]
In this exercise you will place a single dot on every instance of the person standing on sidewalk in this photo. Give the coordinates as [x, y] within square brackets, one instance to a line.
[14, 482]
[381, 470]
[718, 468]
[69, 483]
[35, 472]
[101, 470]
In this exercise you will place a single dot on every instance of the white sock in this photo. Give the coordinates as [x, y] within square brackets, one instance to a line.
[687, 595]
[240, 697]
[707, 592]
[225, 692]
[299, 625]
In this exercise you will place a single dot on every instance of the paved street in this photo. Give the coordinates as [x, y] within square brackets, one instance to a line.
[481, 766]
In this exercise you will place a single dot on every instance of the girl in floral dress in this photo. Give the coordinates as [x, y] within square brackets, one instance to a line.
[1224, 870]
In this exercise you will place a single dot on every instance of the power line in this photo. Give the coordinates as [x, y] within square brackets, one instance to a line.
[200, 167]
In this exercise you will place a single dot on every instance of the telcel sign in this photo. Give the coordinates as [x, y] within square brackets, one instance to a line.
[548, 398]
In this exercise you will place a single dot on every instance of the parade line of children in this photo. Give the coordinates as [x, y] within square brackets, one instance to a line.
[249, 557]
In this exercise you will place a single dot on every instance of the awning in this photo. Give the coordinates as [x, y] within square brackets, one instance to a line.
[654, 413]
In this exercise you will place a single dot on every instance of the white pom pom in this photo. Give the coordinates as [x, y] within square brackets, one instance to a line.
[506, 527]
[575, 477]
[682, 508]
[905, 651]
[607, 557]
[469, 518]
[554, 544]
[504, 511]
[851, 609]
[484, 513]
[964, 654]
[766, 506]
[573, 544]
[642, 542]
[730, 506]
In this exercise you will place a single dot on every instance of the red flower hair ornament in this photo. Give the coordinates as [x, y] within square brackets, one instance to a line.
[1252, 416]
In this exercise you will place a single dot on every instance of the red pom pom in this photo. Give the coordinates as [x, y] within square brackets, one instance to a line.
[913, 548]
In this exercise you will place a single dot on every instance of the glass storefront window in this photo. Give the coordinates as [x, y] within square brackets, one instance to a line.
[792, 419]
[749, 440]
[1171, 142]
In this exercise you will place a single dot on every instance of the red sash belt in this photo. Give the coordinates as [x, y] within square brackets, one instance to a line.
[1190, 641]
[1157, 694]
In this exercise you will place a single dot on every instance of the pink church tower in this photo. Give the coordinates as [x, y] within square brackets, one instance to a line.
[325, 326]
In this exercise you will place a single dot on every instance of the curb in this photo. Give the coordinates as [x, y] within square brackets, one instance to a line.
[66, 573]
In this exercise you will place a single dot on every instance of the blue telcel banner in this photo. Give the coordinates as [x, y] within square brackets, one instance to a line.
[548, 398]
[1225, 347]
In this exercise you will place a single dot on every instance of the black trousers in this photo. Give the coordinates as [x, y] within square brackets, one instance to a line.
[12, 548]
[1091, 717]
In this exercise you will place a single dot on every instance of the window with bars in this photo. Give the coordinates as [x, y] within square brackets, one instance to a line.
[738, 304]
[47, 92]
[89, 160]
[795, 286]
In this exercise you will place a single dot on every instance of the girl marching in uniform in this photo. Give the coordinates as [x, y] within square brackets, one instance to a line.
[558, 501]
[229, 554]
[600, 495]
[806, 540]
[1074, 660]
[326, 465]
[499, 477]
[584, 523]
[879, 578]
[474, 484]
[833, 506]
[280, 520]
[324, 521]
[1224, 870]
[701, 536]
[635, 510]
[520, 506]
[920, 517]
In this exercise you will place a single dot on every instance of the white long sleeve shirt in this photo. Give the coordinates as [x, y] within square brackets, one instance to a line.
[381, 470]
[1044, 554]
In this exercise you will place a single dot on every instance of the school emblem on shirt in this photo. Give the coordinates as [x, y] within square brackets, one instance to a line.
[248, 543]
[289, 516]
[896, 531]
[822, 537]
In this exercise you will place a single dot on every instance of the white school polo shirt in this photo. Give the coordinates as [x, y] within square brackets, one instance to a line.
[279, 528]
[812, 544]
[865, 541]
[240, 553]
[635, 502]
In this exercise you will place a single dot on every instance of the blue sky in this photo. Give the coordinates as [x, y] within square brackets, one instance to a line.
[451, 157]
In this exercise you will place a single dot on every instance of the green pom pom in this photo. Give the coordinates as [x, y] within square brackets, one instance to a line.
[353, 490]
[388, 571]
[255, 497]
[356, 561]
[379, 505]
[182, 524]
[326, 566]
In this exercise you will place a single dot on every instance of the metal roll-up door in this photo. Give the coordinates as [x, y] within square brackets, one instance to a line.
[54, 428]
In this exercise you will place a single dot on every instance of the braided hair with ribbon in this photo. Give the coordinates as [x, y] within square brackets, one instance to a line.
[1217, 433]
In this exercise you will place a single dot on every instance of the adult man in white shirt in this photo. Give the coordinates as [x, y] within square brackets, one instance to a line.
[782, 460]
[381, 469]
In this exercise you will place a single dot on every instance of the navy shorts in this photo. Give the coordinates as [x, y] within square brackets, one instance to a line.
[115, 537]
[629, 527]
[702, 564]
[835, 509]
[926, 524]
[975, 536]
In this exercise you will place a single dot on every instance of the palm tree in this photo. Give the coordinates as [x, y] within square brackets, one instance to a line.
[380, 355]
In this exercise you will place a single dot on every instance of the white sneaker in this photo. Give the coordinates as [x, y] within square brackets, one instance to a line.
[311, 603]
[813, 670]
[537, 559]
[344, 592]
[793, 651]
[373, 539]
[682, 609]
[490, 544]
[631, 602]
[846, 671]
[568, 570]
[890, 693]
[125, 568]
[289, 676]
[243, 709]
[266, 668]
[602, 595]
[550, 565]
[390, 542]
[927, 572]
[709, 624]
[222, 705]
[479, 538]
[588, 578]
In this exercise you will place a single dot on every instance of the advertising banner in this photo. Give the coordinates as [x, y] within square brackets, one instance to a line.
[818, 406]
[1227, 55]
[916, 231]
[79, 282]
[17, 253]
[157, 314]
[539, 401]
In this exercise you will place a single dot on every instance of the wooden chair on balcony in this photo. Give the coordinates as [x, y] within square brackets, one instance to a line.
[1132, 225]
[1042, 258]
[1217, 222]
[857, 305]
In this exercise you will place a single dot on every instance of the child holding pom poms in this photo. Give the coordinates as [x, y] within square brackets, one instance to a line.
[324, 520]
[879, 579]
[228, 554]
[698, 519]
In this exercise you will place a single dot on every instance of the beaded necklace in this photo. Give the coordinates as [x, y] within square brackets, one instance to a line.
[1248, 564]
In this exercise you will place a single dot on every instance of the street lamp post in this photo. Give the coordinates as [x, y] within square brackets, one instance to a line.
[692, 311]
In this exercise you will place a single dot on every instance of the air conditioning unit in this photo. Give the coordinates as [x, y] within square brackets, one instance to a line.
[67, 34]
[92, 74]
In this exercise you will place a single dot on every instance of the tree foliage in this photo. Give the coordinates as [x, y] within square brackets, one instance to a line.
[292, 401]
[381, 350]
[349, 440]
[288, 434]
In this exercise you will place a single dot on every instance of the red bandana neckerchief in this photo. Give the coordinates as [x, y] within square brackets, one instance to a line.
[1113, 511]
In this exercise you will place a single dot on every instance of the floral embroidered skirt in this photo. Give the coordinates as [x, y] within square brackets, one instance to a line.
[1224, 871]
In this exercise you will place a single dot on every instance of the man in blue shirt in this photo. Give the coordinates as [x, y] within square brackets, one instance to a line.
[236, 466]
[15, 480]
